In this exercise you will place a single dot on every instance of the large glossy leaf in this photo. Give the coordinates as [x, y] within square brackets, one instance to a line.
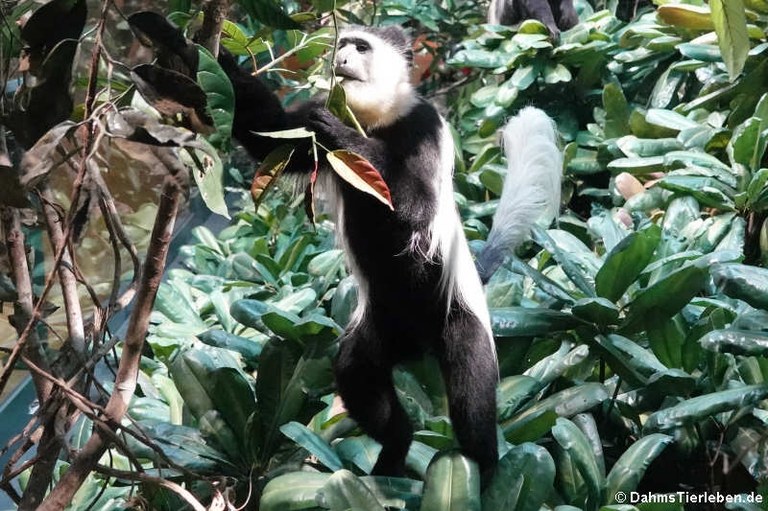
[395, 492]
[666, 297]
[539, 418]
[269, 12]
[523, 480]
[702, 408]
[741, 342]
[748, 283]
[344, 490]
[221, 98]
[234, 398]
[573, 442]
[250, 349]
[358, 172]
[208, 172]
[616, 111]
[310, 441]
[452, 484]
[293, 491]
[631, 466]
[514, 391]
[524, 321]
[730, 22]
[626, 261]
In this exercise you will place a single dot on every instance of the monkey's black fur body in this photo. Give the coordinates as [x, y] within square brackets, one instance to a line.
[412, 299]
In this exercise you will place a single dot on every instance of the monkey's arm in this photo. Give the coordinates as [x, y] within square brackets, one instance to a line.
[259, 110]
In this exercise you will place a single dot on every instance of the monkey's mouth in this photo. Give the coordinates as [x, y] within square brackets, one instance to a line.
[347, 75]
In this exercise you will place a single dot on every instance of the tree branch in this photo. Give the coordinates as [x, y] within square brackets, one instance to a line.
[127, 373]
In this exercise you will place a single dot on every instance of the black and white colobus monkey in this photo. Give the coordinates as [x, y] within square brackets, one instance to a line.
[556, 15]
[419, 290]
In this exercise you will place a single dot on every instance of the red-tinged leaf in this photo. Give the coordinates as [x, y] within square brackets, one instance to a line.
[268, 172]
[309, 195]
[357, 171]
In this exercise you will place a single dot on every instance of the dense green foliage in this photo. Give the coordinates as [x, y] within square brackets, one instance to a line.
[632, 331]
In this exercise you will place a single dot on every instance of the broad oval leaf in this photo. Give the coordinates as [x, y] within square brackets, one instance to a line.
[358, 172]
[700, 408]
[573, 441]
[730, 20]
[344, 490]
[312, 442]
[452, 484]
[220, 95]
[295, 490]
[523, 480]
[631, 466]
[625, 262]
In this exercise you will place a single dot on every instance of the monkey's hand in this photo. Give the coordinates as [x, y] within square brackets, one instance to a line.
[331, 133]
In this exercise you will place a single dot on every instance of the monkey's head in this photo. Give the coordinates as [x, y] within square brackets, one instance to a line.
[374, 67]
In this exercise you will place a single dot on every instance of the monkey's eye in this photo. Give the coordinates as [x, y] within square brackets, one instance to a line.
[362, 47]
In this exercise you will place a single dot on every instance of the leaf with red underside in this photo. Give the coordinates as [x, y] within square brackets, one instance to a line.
[268, 172]
[358, 172]
[309, 195]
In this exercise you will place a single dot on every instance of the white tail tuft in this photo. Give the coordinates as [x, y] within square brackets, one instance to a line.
[531, 190]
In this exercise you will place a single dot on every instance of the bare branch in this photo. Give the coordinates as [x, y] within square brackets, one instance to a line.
[125, 383]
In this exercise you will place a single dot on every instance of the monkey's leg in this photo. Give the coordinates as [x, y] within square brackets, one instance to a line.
[564, 13]
[470, 371]
[365, 384]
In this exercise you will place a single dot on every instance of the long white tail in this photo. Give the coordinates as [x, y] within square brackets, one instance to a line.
[531, 190]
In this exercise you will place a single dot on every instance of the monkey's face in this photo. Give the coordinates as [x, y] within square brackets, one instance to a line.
[375, 76]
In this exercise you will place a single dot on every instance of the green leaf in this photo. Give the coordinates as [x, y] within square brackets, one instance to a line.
[395, 492]
[220, 95]
[729, 18]
[270, 13]
[523, 77]
[537, 420]
[250, 349]
[513, 392]
[599, 311]
[616, 111]
[631, 466]
[234, 398]
[236, 42]
[701, 408]
[523, 480]
[452, 484]
[208, 172]
[626, 261]
[362, 452]
[573, 441]
[748, 283]
[312, 442]
[292, 491]
[669, 119]
[525, 321]
[740, 342]
[666, 297]
[344, 490]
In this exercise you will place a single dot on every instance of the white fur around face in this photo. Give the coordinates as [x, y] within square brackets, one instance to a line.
[383, 93]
